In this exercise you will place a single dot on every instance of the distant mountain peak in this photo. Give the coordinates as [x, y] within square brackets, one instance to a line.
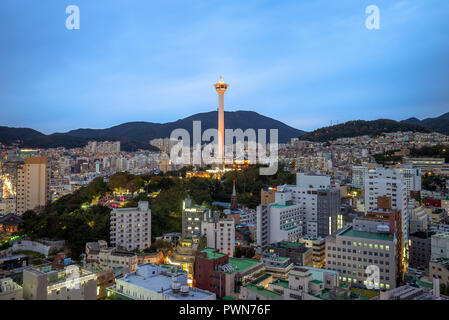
[137, 134]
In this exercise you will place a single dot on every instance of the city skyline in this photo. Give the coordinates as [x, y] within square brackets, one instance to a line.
[303, 64]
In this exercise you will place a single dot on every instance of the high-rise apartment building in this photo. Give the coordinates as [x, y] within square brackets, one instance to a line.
[192, 218]
[33, 184]
[390, 183]
[131, 227]
[278, 222]
[220, 235]
[319, 202]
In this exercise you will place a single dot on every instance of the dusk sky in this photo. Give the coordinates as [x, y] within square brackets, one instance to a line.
[305, 63]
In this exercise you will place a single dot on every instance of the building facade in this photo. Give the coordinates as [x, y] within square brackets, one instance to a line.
[220, 235]
[33, 184]
[131, 227]
[350, 252]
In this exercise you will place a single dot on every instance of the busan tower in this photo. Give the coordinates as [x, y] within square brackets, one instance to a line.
[221, 88]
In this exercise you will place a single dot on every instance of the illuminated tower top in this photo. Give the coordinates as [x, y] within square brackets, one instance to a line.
[221, 87]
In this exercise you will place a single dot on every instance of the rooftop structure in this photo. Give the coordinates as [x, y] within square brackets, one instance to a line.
[154, 282]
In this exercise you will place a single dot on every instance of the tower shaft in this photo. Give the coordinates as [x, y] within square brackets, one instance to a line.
[221, 126]
[221, 88]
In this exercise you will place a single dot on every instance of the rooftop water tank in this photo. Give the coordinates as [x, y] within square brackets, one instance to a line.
[176, 286]
[383, 228]
[185, 290]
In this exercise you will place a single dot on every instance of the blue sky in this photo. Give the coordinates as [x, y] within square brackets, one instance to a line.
[305, 63]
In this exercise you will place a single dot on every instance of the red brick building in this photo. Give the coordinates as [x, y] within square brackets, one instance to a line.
[208, 276]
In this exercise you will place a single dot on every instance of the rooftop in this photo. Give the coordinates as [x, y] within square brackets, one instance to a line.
[282, 283]
[239, 264]
[263, 291]
[280, 206]
[366, 235]
[161, 282]
[212, 254]
[288, 244]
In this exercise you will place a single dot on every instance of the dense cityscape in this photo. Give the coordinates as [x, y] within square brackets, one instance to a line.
[355, 218]
[130, 175]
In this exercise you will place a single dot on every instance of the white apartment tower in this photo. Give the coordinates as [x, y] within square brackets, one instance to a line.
[380, 182]
[319, 202]
[277, 222]
[131, 227]
[220, 235]
[33, 184]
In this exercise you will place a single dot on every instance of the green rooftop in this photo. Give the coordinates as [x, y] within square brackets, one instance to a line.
[366, 235]
[287, 244]
[424, 284]
[263, 291]
[280, 206]
[282, 283]
[211, 254]
[239, 264]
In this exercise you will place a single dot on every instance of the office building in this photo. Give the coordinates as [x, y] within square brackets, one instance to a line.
[351, 250]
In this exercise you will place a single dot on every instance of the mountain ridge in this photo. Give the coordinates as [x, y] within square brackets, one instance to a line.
[137, 134]
[438, 124]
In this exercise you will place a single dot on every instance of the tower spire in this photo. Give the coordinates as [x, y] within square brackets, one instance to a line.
[234, 203]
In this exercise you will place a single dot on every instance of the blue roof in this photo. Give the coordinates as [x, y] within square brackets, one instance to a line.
[221, 204]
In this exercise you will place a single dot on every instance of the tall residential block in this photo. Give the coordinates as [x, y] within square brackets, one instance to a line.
[131, 227]
[33, 184]
[220, 235]
[382, 183]
[192, 218]
[319, 202]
